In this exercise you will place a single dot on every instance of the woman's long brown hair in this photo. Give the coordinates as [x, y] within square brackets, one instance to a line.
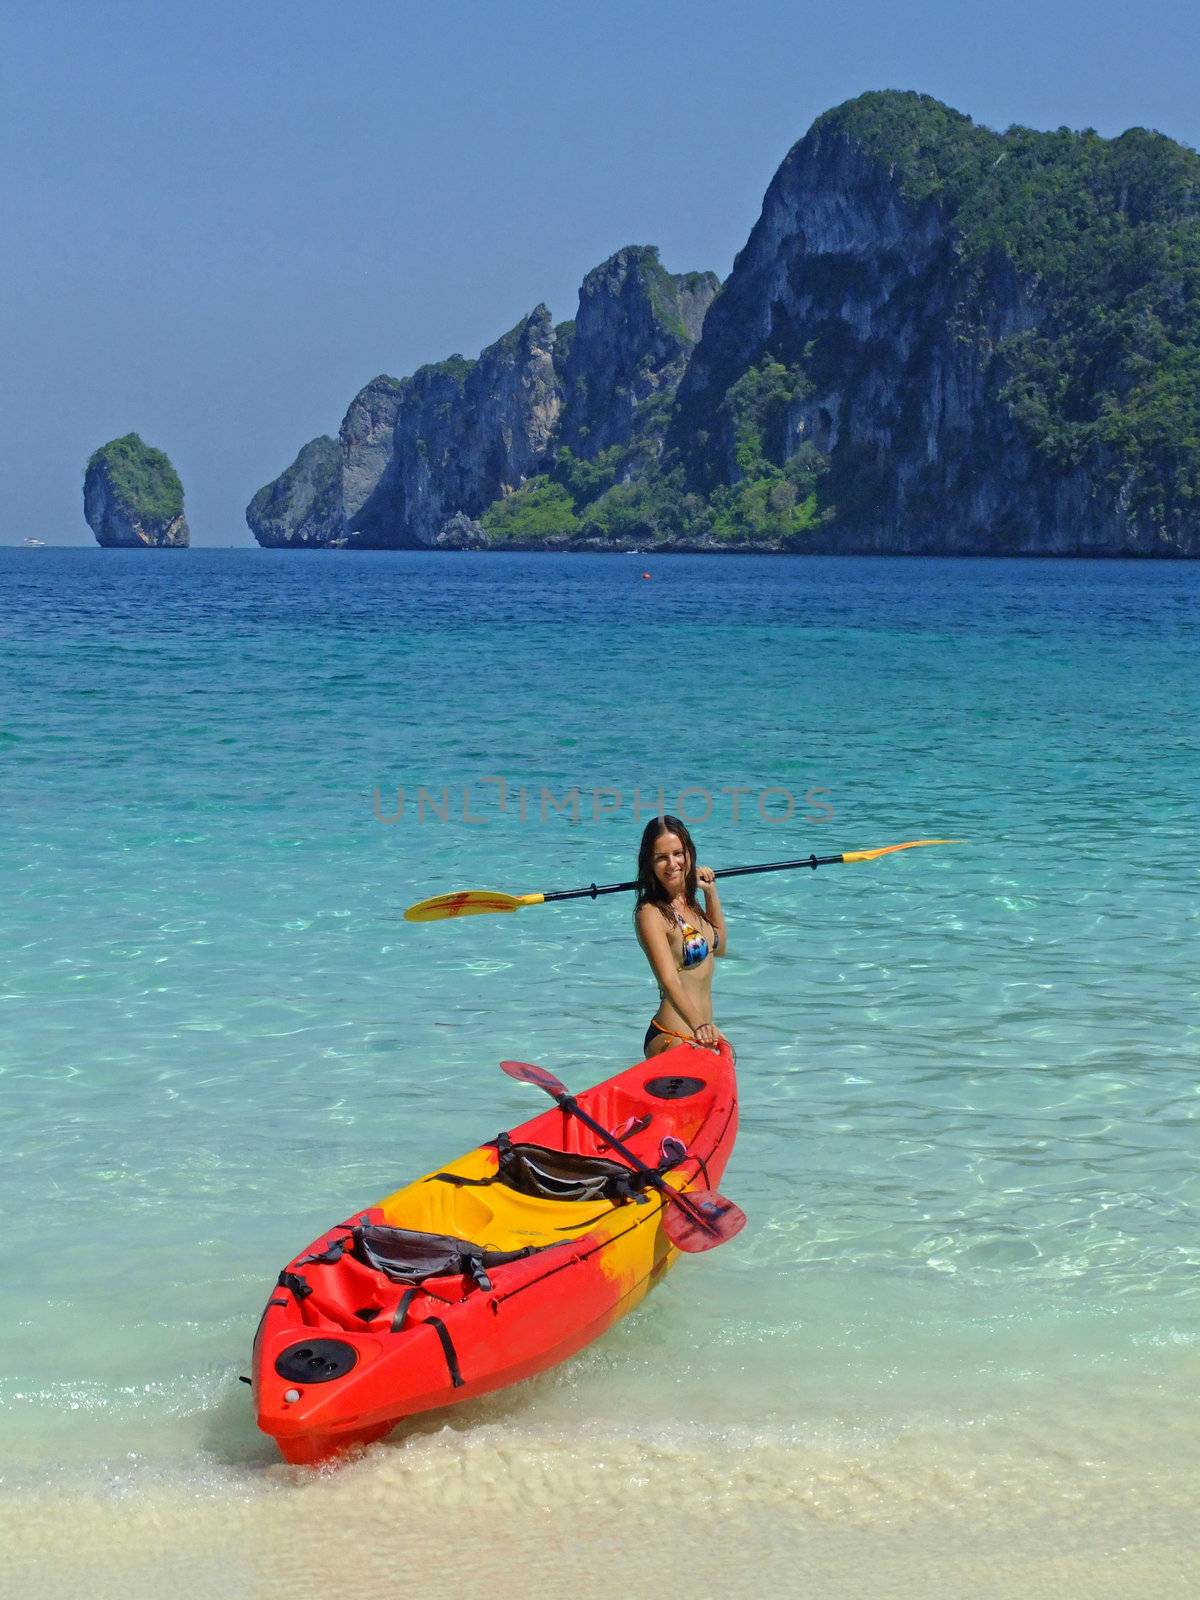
[649, 891]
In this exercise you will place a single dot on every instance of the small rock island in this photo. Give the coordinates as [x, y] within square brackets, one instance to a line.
[132, 497]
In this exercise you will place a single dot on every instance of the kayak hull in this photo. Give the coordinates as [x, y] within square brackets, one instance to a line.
[343, 1353]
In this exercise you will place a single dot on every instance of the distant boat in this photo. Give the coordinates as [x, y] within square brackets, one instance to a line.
[35, 544]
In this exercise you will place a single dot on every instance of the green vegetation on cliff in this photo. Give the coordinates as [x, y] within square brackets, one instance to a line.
[585, 480]
[654, 508]
[622, 498]
[661, 289]
[597, 503]
[538, 510]
[775, 496]
[141, 478]
[455, 366]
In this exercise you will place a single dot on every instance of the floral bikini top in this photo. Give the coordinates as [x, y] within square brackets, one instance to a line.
[695, 944]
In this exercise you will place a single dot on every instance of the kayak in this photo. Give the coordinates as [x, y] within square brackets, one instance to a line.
[494, 1267]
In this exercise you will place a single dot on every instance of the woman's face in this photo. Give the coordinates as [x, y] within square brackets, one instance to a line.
[670, 863]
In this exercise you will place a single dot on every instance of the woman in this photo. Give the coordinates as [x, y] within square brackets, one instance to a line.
[679, 939]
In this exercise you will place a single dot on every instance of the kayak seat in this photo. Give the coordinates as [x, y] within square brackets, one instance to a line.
[409, 1257]
[348, 1282]
[549, 1174]
[506, 1196]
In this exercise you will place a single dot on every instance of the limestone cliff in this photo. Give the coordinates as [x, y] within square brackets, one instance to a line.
[303, 507]
[937, 339]
[132, 497]
[419, 459]
[452, 438]
[902, 277]
[636, 326]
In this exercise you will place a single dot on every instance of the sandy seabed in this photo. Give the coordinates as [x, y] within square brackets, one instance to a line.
[450, 1511]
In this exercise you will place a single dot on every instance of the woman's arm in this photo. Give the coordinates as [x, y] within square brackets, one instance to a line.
[706, 880]
[652, 936]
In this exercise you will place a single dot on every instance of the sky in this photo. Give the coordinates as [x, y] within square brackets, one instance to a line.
[218, 221]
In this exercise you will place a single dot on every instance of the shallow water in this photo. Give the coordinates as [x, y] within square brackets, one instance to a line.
[967, 1297]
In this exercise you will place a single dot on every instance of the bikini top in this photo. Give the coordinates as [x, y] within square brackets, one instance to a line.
[695, 944]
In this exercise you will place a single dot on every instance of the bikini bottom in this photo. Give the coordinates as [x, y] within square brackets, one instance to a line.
[657, 1028]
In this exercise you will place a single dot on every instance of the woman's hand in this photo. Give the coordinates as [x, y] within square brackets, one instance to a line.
[709, 1035]
[706, 879]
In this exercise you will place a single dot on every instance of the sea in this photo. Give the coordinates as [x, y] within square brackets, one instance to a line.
[956, 1350]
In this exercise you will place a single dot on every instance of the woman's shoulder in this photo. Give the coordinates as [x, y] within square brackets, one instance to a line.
[648, 915]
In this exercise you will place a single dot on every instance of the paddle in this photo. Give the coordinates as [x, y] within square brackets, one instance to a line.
[480, 902]
[698, 1221]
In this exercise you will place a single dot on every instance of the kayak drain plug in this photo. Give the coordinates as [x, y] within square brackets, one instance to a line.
[316, 1361]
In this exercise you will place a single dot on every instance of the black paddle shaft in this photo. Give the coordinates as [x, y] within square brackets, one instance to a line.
[593, 891]
[571, 1106]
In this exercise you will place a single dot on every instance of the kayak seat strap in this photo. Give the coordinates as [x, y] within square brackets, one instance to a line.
[406, 1299]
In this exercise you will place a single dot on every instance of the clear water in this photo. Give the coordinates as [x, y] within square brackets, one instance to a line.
[969, 1074]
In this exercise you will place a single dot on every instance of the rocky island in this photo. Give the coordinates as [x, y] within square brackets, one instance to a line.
[938, 339]
[132, 497]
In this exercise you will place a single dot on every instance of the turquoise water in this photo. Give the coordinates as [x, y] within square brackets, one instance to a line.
[969, 1078]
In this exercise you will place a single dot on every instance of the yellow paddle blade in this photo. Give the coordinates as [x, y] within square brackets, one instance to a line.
[887, 849]
[468, 903]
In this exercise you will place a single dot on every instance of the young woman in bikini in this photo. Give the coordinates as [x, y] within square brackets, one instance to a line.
[680, 941]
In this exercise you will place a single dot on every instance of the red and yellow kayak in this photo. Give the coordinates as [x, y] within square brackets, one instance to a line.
[472, 1277]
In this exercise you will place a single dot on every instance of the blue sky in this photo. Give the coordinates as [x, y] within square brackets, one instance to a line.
[220, 220]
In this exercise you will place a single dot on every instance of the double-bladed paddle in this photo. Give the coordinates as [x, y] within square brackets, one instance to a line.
[480, 902]
[695, 1221]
